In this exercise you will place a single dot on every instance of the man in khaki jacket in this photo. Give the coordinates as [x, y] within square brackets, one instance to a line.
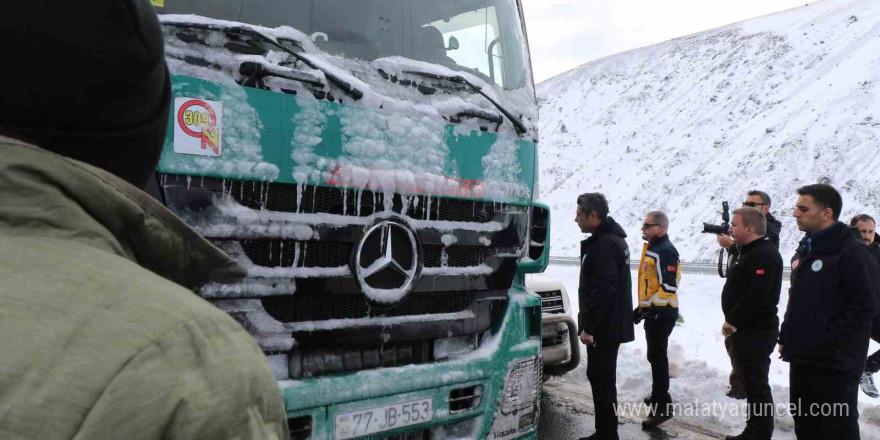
[101, 335]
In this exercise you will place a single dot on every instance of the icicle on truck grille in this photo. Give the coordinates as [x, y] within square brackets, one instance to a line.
[301, 291]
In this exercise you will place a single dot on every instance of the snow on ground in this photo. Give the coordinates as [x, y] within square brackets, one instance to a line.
[699, 364]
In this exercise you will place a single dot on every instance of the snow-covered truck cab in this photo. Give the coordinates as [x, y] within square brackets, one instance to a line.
[372, 163]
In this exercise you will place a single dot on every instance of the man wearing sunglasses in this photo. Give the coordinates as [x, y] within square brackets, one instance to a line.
[760, 201]
[824, 336]
[658, 279]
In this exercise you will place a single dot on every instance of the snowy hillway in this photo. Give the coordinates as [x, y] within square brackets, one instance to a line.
[772, 103]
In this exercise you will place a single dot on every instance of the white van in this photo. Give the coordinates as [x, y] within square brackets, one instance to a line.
[559, 340]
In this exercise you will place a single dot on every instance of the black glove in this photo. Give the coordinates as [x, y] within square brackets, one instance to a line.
[638, 316]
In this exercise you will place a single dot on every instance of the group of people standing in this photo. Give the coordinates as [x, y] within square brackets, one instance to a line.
[835, 283]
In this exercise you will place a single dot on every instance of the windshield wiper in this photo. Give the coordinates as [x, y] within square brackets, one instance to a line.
[349, 89]
[255, 71]
[457, 79]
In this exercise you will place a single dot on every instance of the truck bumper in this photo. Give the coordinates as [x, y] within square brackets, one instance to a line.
[470, 396]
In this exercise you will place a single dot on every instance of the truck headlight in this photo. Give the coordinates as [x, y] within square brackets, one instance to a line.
[520, 401]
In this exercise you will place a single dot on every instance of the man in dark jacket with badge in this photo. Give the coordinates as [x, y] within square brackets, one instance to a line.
[828, 321]
[759, 200]
[605, 295]
[751, 326]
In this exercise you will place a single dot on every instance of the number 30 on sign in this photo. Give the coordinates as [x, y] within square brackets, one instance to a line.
[198, 124]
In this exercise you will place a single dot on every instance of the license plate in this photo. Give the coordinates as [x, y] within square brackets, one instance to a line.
[383, 418]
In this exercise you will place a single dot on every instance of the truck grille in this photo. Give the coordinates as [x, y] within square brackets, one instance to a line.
[320, 361]
[418, 435]
[300, 428]
[282, 253]
[328, 200]
[304, 308]
[302, 295]
[551, 301]
[456, 256]
[556, 339]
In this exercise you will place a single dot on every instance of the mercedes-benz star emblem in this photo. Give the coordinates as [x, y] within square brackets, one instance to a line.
[386, 262]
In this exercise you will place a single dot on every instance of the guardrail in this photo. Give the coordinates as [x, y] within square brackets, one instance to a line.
[686, 267]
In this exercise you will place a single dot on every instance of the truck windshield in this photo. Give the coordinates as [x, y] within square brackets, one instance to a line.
[482, 37]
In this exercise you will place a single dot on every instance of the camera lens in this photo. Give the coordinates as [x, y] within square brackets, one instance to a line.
[712, 229]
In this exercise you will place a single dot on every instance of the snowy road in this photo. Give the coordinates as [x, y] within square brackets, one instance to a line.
[567, 413]
[698, 362]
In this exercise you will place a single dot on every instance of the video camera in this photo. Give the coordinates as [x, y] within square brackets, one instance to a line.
[723, 227]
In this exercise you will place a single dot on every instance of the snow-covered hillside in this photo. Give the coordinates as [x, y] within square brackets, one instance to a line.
[772, 103]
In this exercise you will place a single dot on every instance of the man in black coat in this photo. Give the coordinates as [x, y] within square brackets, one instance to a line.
[827, 325]
[751, 326]
[866, 228]
[759, 200]
[605, 296]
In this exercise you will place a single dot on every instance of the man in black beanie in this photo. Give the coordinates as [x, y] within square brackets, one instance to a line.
[101, 334]
[86, 80]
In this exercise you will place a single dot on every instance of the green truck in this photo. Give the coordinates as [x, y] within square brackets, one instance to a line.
[373, 164]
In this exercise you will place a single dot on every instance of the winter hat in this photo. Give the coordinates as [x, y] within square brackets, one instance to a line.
[86, 80]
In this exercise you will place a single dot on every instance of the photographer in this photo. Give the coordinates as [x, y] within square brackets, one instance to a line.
[749, 301]
[760, 201]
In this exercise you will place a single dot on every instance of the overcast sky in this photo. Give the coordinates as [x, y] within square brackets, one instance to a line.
[564, 34]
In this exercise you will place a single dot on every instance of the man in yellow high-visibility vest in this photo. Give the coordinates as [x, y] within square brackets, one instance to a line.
[659, 274]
